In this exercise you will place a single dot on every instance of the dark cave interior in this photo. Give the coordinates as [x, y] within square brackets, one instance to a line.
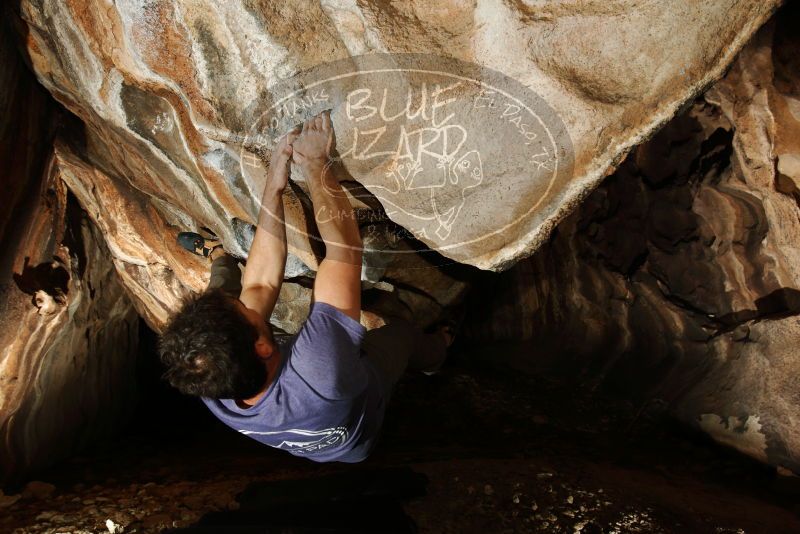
[481, 447]
[558, 430]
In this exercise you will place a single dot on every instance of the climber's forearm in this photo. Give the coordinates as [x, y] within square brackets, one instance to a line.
[338, 280]
[266, 262]
[334, 217]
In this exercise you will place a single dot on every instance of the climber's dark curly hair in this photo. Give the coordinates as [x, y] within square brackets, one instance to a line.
[208, 349]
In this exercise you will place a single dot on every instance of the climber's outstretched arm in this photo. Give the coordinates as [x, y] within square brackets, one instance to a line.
[263, 274]
[338, 279]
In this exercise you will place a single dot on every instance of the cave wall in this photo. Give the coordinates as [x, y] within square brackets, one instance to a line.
[68, 331]
[27, 126]
[678, 279]
[674, 279]
[167, 90]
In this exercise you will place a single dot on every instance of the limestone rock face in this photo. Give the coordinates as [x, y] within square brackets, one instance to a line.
[69, 338]
[171, 91]
[678, 278]
[680, 268]
[68, 333]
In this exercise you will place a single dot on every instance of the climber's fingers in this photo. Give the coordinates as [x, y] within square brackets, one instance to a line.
[327, 127]
[318, 122]
[289, 136]
[326, 120]
[292, 134]
[283, 150]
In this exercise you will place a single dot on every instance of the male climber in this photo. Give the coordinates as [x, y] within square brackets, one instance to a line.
[322, 393]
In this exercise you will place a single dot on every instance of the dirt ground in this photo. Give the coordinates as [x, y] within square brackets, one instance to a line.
[474, 449]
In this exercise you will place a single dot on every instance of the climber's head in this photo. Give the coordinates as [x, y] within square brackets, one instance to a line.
[215, 347]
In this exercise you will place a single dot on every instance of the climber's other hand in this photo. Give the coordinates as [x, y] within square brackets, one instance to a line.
[279, 163]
